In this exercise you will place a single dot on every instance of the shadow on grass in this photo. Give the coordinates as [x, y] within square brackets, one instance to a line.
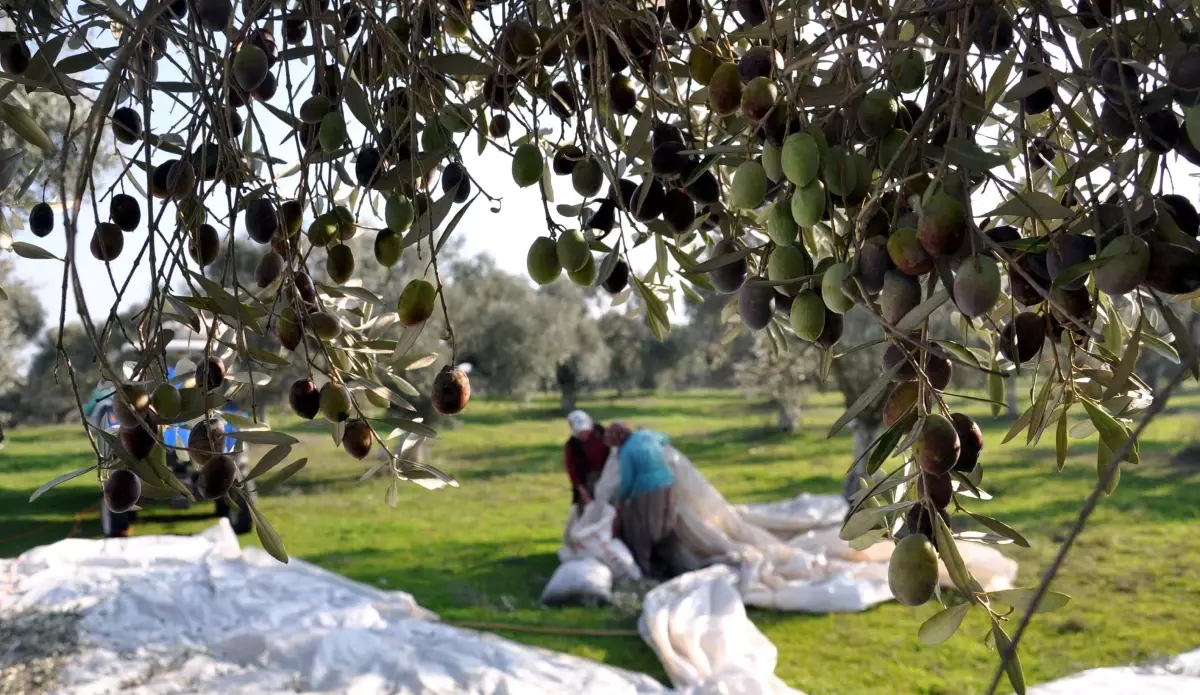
[50, 518]
[1154, 489]
[492, 576]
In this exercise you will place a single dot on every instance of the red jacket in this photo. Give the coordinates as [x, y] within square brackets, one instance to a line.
[584, 457]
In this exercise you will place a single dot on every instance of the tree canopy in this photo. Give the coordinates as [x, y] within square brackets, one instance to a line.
[1015, 161]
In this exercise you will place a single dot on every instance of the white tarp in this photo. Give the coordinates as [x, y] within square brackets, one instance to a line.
[697, 625]
[1178, 676]
[789, 553]
[190, 615]
[168, 614]
[787, 557]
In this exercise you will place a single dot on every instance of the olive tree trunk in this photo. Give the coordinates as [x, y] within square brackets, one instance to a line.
[864, 435]
[789, 417]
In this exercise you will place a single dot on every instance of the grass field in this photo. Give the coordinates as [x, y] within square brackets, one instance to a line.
[484, 551]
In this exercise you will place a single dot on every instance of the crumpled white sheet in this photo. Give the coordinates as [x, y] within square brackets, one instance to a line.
[168, 614]
[1178, 676]
[194, 615]
[697, 625]
[787, 556]
[789, 552]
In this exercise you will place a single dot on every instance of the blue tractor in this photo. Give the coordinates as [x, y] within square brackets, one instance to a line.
[116, 524]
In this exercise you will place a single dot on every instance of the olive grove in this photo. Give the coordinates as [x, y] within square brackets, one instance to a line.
[1010, 167]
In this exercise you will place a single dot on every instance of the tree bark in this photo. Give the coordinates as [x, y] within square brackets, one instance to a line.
[864, 434]
[789, 417]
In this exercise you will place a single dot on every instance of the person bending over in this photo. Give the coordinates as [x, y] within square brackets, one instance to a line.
[586, 454]
[646, 502]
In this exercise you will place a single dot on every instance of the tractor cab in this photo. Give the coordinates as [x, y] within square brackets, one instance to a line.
[182, 354]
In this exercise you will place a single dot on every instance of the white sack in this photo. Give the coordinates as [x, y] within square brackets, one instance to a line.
[584, 581]
[164, 614]
[590, 535]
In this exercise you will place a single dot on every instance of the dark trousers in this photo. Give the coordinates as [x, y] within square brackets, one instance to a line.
[648, 528]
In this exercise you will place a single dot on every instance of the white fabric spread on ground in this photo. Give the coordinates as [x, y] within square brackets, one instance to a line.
[191, 615]
[168, 614]
[789, 553]
[1179, 676]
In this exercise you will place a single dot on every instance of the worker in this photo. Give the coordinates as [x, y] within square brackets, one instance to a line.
[645, 498]
[586, 454]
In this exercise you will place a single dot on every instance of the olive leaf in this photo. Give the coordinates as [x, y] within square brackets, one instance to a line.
[1012, 663]
[356, 99]
[948, 551]
[24, 125]
[1060, 440]
[1104, 457]
[887, 443]
[282, 476]
[269, 460]
[60, 480]
[942, 625]
[272, 437]
[1018, 426]
[859, 523]
[458, 64]
[1113, 434]
[866, 398]
[10, 164]
[270, 540]
[1031, 204]
[917, 316]
[1184, 345]
[1000, 528]
[723, 260]
[1028, 86]
[1125, 369]
[1020, 599]
[1192, 124]
[969, 155]
[641, 133]
[32, 251]
[995, 389]
[409, 426]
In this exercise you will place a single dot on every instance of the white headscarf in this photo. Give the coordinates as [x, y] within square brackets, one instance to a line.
[579, 421]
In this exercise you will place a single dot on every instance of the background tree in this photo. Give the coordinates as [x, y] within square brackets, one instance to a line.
[784, 376]
[30, 176]
[20, 322]
[624, 337]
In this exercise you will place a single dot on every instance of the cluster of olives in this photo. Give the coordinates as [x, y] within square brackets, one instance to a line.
[141, 414]
[451, 392]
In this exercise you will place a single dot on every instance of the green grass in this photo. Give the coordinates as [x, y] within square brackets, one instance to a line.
[484, 551]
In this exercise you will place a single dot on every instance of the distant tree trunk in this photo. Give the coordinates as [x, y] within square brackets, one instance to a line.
[789, 417]
[1011, 393]
[568, 386]
[864, 426]
[864, 434]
